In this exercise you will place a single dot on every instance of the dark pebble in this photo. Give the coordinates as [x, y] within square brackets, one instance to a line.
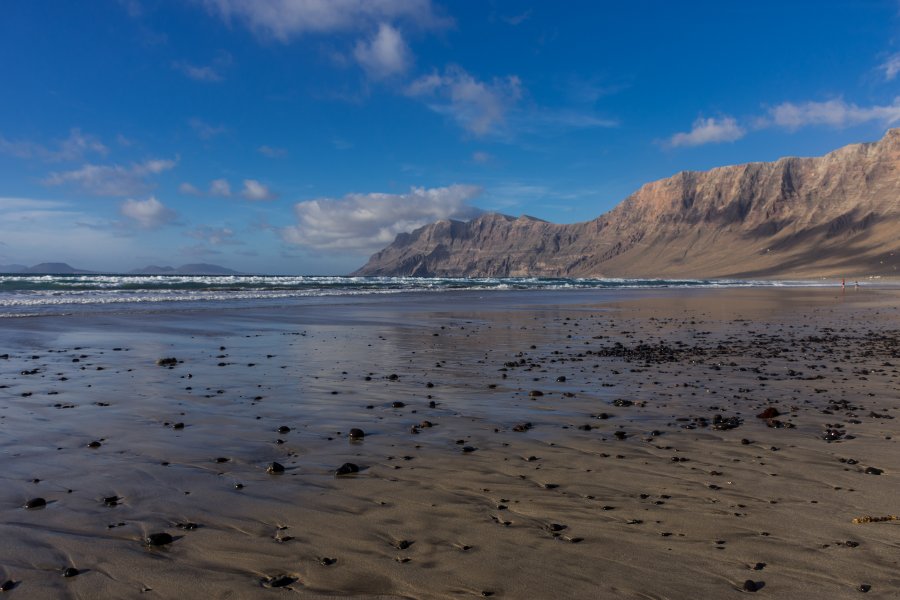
[94, 444]
[71, 572]
[769, 413]
[281, 581]
[535, 393]
[864, 588]
[7, 585]
[167, 362]
[327, 562]
[398, 404]
[275, 467]
[873, 471]
[159, 539]
[36, 503]
[751, 586]
[357, 434]
[346, 469]
[284, 429]
[403, 544]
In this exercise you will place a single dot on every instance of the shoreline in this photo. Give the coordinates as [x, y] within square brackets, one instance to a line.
[550, 510]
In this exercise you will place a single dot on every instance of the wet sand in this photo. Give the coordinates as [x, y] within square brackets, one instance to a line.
[517, 445]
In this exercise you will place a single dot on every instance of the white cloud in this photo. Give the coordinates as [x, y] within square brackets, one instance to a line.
[477, 106]
[272, 152]
[48, 230]
[709, 131]
[553, 120]
[383, 55]
[206, 73]
[481, 157]
[217, 236]
[211, 73]
[283, 20]
[204, 130]
[148, 214]
[834, 113]
[891, 67]
[219, 187]
[28, 211]
[189, 189]
[74, 147]
[254, 190]
[516, 20]
[364, 223]
[112, 180]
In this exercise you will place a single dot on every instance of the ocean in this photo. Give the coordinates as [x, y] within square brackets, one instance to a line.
[32, 295]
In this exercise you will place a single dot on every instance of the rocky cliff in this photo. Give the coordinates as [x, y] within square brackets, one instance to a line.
[831, 216]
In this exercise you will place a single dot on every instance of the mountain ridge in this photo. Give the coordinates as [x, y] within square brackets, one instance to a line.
[833, 215]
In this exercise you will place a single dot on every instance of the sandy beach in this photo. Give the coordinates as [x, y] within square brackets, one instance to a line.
[577, 444]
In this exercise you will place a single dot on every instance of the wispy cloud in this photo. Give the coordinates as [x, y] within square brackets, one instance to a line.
[74, 147]
[210, 73]
[112, 180]
[481, 157]
[384, 55]
[29, 210]
[543, 120]
[256, 191]
[516, 20]
[216, 236]
[479, 107]
[204, 130]
[189, 189]
[43, 230]
[219, 187]
[284, 20]
[709, 131]
[891, 67]
[147, 214]
[272, 152]
[833, 113]
[364, 223]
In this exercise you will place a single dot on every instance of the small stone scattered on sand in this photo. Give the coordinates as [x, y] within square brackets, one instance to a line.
[346, 469]
[158, 539]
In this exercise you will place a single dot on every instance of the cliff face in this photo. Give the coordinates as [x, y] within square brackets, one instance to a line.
[835, 215]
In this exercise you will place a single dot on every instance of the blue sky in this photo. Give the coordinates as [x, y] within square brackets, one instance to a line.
[299, 136]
